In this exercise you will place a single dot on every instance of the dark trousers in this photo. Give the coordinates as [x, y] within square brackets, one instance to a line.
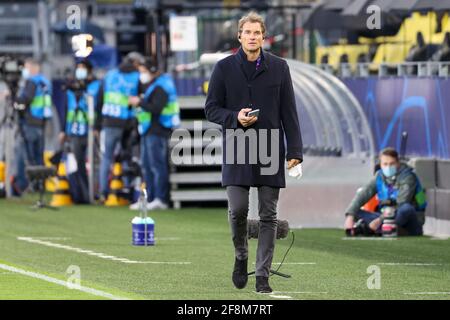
[109, 139]
[79, 187]
[155, 166]
[267, 208]
[406, 218]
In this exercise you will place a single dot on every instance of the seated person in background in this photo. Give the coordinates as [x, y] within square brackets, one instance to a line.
[400, 197]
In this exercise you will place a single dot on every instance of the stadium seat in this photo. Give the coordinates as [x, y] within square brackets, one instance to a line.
[426, 24]
[438, 38]
[392, 53]
[337, 52]
[395, 49]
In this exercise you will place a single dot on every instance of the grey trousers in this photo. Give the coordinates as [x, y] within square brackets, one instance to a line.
[267, 208]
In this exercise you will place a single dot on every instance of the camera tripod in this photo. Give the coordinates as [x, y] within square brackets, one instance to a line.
[40, 203]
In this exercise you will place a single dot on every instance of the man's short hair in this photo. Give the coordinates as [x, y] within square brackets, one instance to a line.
[252, 17]
[135, 57]
[391, 152]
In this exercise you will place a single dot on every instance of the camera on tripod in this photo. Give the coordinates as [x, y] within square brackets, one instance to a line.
[10, 72]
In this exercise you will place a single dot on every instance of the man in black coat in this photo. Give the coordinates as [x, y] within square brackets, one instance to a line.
[253, 145]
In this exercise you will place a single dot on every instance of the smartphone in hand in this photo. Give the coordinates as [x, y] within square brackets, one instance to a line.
[253, 113]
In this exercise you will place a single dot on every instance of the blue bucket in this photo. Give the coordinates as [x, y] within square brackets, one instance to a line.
[139, 236]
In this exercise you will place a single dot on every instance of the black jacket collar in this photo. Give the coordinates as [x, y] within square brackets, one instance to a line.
[241, 56]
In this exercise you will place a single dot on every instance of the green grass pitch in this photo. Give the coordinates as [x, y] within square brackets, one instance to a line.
[323, 265]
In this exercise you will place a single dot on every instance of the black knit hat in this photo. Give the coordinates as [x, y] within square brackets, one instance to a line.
[86, 63]
[150, 64]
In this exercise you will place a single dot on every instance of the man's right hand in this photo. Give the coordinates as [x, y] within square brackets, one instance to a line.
[134, 101]
[244, 120]
[349, 222]
[62, 138]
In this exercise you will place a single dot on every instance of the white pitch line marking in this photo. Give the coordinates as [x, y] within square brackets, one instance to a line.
[53, 238]
[293, 263]
[35, 275]
[280, 297]
[369, 238]
[299, 292]
[156, 262]
[296, 263]
[95, 254]
[407, 264]
[427, 293]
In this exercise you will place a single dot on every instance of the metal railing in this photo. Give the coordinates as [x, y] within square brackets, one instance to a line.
[410, 69]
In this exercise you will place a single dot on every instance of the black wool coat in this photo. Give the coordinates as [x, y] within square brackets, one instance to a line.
[270, 90]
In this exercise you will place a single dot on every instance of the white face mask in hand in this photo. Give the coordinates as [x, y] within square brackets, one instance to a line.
[144, 77]
[296, 172]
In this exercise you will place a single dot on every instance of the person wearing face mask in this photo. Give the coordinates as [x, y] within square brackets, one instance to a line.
[74, 126]
[399, 192]
[115, 115]
[157, 114]
[34, 107]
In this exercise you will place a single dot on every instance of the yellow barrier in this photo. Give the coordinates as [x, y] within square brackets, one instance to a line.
[61, 196]
[116, 196]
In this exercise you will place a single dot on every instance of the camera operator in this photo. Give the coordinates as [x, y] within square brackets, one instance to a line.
[400, 197]
[34, 106]
[74, 126]
[157, 115]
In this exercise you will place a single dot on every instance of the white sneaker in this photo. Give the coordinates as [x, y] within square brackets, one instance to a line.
[157, 204]
[135, 206]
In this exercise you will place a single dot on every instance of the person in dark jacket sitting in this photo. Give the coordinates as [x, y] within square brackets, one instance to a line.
[400, 196]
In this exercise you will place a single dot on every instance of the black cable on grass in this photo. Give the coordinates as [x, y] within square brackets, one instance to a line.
[285, 255]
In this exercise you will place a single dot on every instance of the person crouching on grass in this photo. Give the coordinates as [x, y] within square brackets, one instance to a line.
[400, 196]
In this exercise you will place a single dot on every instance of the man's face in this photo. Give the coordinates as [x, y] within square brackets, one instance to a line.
[142, 69]
[145, 74]
[387, 161]
[32, 68]
[251, 37]
[389, 165]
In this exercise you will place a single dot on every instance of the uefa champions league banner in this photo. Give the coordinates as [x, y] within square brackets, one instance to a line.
[420, 106]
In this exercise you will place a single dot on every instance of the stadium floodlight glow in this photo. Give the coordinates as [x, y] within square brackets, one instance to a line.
[82, 45]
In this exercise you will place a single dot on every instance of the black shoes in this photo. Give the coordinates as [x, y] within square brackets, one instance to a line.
[240, 274]
[240, 277]
[262, 285]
